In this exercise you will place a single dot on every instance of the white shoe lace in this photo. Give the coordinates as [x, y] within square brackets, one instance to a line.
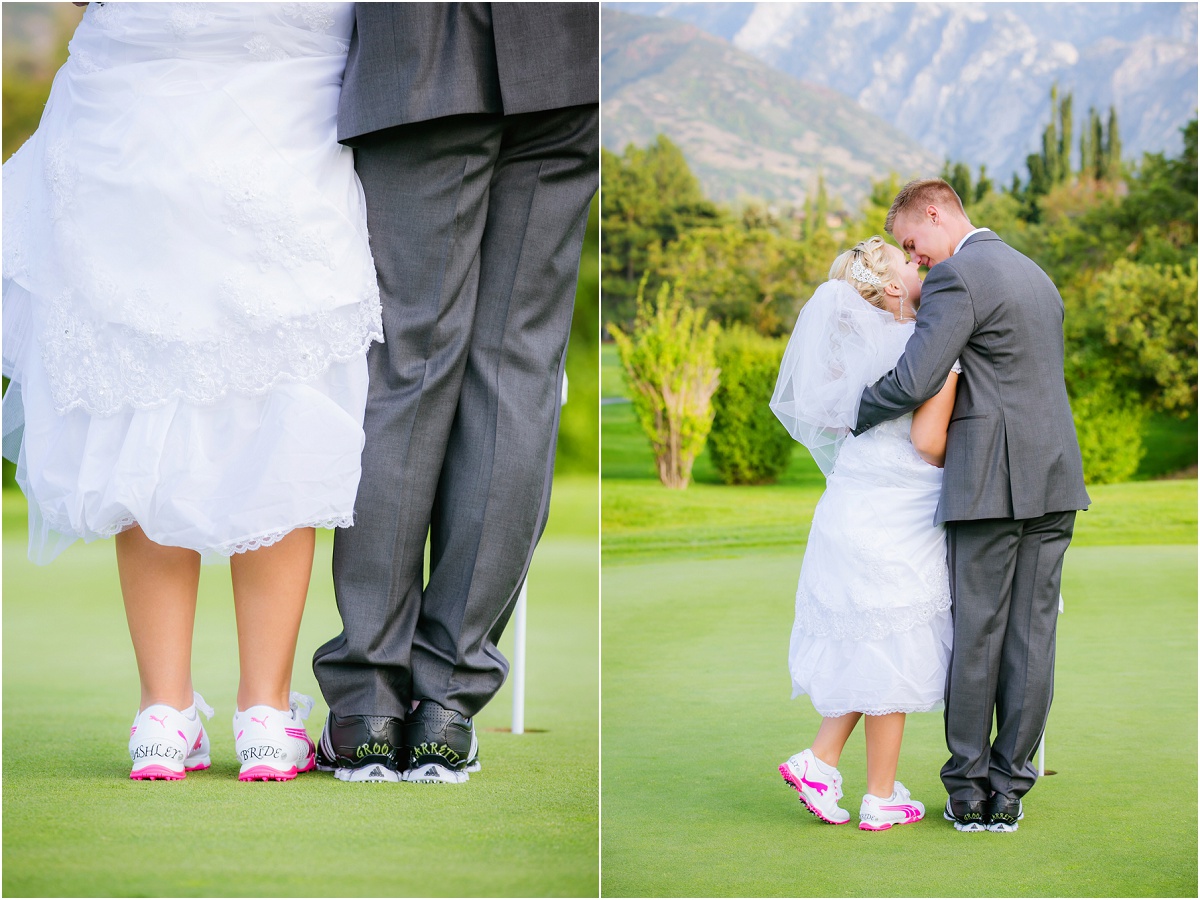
[300, 704]
[201, 705]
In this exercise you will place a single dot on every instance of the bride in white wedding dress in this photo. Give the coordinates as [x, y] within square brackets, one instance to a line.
[188, 299]
[872, 631]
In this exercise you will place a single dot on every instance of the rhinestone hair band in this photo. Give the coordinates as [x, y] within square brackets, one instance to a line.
[859, 272]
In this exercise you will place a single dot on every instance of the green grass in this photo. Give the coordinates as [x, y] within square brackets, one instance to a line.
[611, 382]
[697, 718]
[74, 824]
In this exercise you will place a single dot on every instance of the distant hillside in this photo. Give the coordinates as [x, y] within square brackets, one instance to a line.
[745, 128]
[971, 81]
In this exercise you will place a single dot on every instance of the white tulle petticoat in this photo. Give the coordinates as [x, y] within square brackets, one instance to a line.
[188, 288]
[873, 632]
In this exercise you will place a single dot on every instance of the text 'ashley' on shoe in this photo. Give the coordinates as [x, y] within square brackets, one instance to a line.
[166, 743]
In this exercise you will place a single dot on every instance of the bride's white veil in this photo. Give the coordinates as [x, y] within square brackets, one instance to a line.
[841, 344]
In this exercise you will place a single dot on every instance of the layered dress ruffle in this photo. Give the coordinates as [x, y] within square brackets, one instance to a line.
[188, 289]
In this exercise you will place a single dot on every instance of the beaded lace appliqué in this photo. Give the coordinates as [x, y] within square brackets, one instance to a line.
[263, 50]
[187, 17]
[60, 173]
[269, 218]
[105, 15]
[84, 61]
[314, 16]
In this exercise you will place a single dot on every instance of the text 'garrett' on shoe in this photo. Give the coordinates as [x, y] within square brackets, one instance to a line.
[1003, 815]
[363, 748]
[442, 745]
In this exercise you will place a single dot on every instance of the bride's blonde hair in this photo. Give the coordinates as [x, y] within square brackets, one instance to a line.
[873, 261]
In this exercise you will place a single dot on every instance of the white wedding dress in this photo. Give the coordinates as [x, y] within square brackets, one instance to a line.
[872, 630]
[188, 289]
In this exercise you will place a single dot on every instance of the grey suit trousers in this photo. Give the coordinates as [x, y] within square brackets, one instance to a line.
[1005, 576]
[476, 225]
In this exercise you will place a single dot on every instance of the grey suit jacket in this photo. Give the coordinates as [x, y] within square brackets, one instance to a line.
[1011, 450]
[411, 62]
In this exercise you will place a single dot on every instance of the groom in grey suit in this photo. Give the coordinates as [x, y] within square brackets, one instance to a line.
[1013, 482]
[475, 129]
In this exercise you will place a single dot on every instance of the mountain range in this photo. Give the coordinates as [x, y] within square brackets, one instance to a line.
[746, 129]
[970, 82]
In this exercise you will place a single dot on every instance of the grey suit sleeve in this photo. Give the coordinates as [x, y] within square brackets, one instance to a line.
[944, 325]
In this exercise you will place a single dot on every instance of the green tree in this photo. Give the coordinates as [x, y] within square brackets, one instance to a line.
[649, 198]
[816, 210]
[1145, 318]
[579, 428]
[747, 443]
[1111, 155]
[670, 366]
[750, 275]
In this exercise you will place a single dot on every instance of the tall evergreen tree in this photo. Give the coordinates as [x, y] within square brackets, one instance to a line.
[1112, 147]
[1066, 119]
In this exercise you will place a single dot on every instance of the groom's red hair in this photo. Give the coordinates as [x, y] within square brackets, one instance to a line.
[916, 195]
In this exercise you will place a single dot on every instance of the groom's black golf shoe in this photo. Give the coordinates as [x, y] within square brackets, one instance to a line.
[1003, 814]
[967, 815]
[362, 748]
[442, 745]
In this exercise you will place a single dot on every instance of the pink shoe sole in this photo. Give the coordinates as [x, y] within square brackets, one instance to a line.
[791, 779]
[863, 826]
[309, 764]
[156, 773]
[199, 768]
[266, 773]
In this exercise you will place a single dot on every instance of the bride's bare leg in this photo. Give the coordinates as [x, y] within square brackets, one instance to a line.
[832, 736]
[270, 586]
[884, 734]
[159, 585]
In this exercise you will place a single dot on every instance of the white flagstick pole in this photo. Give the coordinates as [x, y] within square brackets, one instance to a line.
[518, 667]
[1042, 745]
[519, 625]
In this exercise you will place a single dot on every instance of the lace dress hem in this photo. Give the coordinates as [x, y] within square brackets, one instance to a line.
[882, 710]
[227, 549]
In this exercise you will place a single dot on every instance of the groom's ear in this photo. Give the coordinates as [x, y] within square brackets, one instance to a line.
[933, 214]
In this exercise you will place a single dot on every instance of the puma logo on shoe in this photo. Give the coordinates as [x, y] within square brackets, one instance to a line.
[262, 721]
[817, 786]
[162, 721]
